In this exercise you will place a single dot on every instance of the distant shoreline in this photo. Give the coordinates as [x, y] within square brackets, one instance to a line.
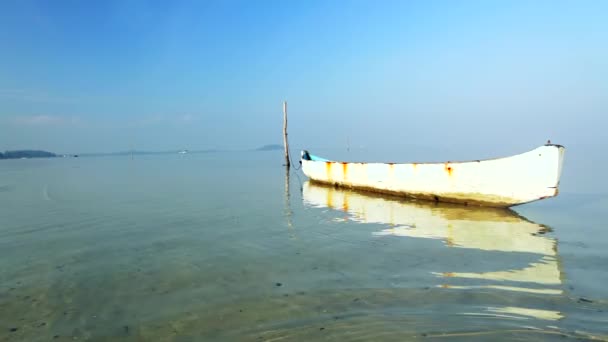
[26, 154]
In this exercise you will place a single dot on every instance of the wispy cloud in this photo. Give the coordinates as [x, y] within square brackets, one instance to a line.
[186, 118]
[44, 120]
[151, 120]
[35, 96]
[156, 119]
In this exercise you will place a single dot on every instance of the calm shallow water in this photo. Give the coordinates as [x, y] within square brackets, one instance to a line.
[216, 247]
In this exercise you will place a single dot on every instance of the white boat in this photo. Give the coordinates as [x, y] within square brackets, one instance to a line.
[500, 182]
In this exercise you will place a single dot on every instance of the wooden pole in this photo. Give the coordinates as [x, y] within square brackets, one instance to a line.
[285, 143]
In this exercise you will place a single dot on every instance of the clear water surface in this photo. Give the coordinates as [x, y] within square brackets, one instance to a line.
[222, 246]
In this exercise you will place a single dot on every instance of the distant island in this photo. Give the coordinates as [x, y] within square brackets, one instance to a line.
[19, 154]
[273, 147]
[143, 153]
[26, 154]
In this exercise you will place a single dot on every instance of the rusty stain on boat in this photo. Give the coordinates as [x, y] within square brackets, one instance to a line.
[391, 171]
[448, 168]
[344, 171]
[328, 170]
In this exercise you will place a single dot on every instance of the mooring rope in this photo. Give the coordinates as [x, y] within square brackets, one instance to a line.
[291, 162]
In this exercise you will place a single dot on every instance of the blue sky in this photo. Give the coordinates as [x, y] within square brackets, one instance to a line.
[93, 76]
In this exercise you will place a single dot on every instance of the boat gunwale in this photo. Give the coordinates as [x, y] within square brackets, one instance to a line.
[431, 163]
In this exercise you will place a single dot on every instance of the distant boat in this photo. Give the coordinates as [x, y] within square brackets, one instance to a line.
[500, 182]
[183, 152]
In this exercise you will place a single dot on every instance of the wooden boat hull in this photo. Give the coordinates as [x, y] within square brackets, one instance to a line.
[500, 182]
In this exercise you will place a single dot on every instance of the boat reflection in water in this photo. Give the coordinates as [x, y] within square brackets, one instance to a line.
[482, 229]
